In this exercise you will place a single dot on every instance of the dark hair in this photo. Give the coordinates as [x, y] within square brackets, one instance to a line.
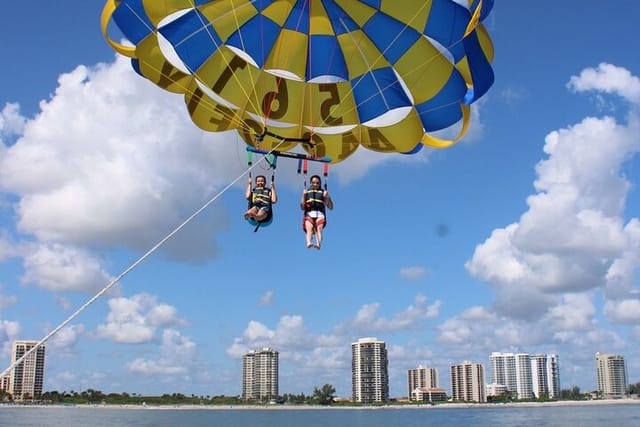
[316, 176]
[261, 176]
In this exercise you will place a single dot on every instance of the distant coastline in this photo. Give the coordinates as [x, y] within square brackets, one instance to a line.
[628, 401]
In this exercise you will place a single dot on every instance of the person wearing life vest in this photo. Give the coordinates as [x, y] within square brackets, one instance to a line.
[314, 202]
[260, 199]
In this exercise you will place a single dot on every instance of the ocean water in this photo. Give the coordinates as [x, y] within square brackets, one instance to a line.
[625, 415]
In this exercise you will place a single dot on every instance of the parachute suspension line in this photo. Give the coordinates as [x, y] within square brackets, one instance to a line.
[325, 172]
[272, 159]
[127, 271]
[300, 167]
[305, 165]
[249, 162]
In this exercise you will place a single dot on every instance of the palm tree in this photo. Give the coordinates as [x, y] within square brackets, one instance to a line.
[324, 395]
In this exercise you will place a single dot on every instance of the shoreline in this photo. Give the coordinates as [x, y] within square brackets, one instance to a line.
[608, 402]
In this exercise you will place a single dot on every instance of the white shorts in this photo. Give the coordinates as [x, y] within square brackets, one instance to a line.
[315, 214]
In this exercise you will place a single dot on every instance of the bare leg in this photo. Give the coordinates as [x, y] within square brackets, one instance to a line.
[308, 227]
[260, 215]
[251, 213]
[319, 235]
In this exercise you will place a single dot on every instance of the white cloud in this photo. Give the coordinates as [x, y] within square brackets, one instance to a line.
[607, 78]
[63, 268]
[413, 273]
[112, 161]
[176, 357]
[9, 331]
[293, 339]
[573, 231]
[6, 300]
[620, 276]
[624, 311]
[8, 248]
[367, 320]
[163, 315]
[512, 95]
[575, 313]
[468, 329]
[292, 334]
[153, 367]
[135, 320]
[572, 245]
[256, 331]
[360, 163]
[11, 122]
[65, 340]
[596, 338]
[267, 298]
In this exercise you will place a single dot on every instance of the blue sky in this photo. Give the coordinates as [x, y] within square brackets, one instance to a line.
[523, 237]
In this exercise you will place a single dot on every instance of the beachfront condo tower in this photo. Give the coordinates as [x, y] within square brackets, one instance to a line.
[513, 370]
[369, 371]
[260, 375]
[423, 385]
[545, 376]
[526, 376]
[27, 378]
[611, 375]
[467, 382]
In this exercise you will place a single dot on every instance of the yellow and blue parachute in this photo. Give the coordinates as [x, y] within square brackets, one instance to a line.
[384, 74]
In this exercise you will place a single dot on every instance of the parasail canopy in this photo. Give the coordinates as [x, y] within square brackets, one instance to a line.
[330, 75]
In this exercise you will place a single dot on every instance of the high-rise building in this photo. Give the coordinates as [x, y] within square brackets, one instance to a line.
[260, 375]
[369, 371]
[421, 377]
[527, 376]
[514, 371]
[4, 383]
[26, 379]
[467, 382]
[545, 375]
[611, 375]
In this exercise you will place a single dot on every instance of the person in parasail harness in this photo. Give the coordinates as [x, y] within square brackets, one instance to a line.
[260, 199]
[314, 202]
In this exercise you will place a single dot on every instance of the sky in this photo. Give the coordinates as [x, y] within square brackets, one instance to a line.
[524, 237]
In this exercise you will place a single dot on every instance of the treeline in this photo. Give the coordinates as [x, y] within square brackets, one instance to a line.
[324, 395]
[91, 396]
[575, 394]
